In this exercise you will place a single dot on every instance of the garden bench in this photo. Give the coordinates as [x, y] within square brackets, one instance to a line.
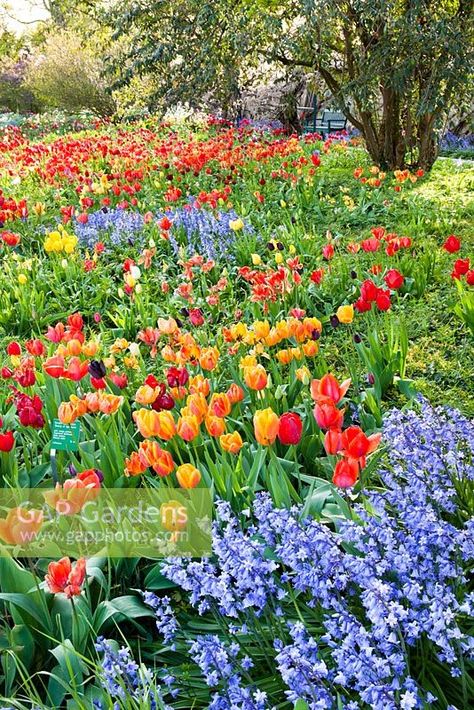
[330, 122]
[325, 123]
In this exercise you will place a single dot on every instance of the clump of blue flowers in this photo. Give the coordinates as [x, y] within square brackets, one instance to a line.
[195, 230]
[202, 231]
[117, 225]
[368, 616]
[124, 681]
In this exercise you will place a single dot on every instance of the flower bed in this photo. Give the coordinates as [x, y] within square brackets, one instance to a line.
[227, 317]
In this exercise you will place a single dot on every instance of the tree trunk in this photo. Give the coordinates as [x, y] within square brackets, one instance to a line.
[427, 145]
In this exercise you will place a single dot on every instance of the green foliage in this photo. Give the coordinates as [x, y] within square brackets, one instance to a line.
[67, 75]
[392, 67]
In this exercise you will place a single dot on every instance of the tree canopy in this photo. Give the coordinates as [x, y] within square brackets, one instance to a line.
[393, 66]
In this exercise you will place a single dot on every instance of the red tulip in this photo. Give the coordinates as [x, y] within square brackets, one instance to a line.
[361, 306]
[470, 277]
[346, 473]
[329, 387]
[195, 316]
[394, 279]
[7, 441]
[316, 276]
[371, 244]
[54, 366]
[356, 444]
[76, 369]
[290, 428]
[63, 577]
[452, 244]
[35, 347]
[332, 442]
[14, 348]
[383, 300]
[75, 321]
[177, 377]
[368, 290]
[378, 232]
[165, 224]
[460, 268]
[120, 381]
[328, 251]
[327, 415]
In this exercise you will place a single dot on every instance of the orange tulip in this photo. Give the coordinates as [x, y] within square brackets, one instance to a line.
[310, 348]
[109, 403]
[168, 354]
[67, 413]
[92, 400]
[165, 426]
[90, 348]
[188, 427]
[146, 421]
[255, 377]
[167, 326]
[70, 498]
[235, 393]
[231, 442]
[188, 476]
[21, 525]
[146, 394]
[197, 405]
[135, 465]
[220, 405]
[208, 358]
[283, 329]
[173, 516]
[79, 404]
[160, 460]
[284, 357]
[261, 328]
[215, 425]
[272, 338]
[266, 424]
[74, 347]
[312, 326]
[199, 385]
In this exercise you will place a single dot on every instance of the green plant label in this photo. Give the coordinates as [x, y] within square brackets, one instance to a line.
[65, 436]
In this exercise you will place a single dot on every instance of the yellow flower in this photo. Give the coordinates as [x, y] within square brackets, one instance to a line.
[118, 345]
[69, 243]
[303, 374]
[279, 258]
[345, 314]
[39, 209]
[236, 224]
[256, 259]
[292, 249]
[22, 279]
